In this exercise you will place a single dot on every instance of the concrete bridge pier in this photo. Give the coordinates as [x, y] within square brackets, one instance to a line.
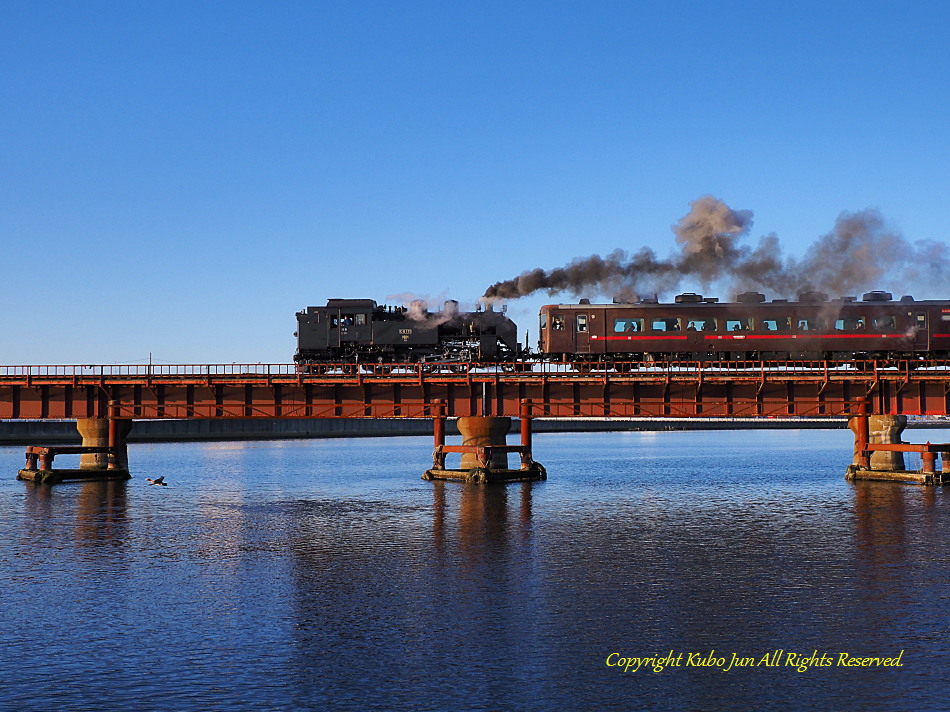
[484, 449]
[104, 432]
[481, 430]
[879, 430]
[103, 454]
[879, 453]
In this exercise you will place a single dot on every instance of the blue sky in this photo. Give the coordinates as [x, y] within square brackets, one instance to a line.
[179, 178]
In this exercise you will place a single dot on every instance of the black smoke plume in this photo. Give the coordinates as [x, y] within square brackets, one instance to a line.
[861, 253]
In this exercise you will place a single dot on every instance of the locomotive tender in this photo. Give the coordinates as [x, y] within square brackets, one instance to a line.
[359, 329]
[697, 328]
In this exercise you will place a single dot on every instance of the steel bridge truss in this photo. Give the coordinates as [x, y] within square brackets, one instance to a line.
[583, 390]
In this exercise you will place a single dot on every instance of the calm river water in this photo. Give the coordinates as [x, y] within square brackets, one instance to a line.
[326, 575]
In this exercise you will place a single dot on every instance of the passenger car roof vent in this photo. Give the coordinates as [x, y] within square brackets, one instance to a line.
[812, 297]
[711, 300]
[649, 300]
[584, 300]
[907, 298]
[688, 298]
[877, 296]
[750, 298]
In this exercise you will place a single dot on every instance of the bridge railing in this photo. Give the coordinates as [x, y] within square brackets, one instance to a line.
[145, 370]
[549, 368]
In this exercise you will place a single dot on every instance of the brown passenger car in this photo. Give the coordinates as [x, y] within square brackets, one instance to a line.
[749, 328]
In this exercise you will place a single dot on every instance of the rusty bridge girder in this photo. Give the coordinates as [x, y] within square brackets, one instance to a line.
[588, 390]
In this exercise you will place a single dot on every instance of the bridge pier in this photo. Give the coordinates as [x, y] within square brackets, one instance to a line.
[484, 449]
[879, 452]
[878, 430]
[103, 455]
[479, 431]
[104, 432]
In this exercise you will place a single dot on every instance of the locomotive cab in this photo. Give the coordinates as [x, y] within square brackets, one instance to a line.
[330, 331]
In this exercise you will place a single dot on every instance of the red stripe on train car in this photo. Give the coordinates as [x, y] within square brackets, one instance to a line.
[636, 338]
[808, 336]
[714, 337]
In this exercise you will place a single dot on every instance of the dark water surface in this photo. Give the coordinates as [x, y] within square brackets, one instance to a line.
[325, 574]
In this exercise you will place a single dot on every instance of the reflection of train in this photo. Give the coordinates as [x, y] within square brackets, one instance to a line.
[697, 328]
[358, 329]
[691, 328]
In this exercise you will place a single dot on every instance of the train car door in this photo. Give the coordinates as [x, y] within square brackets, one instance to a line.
[333, 328]
[921, 331]
[582, 333]
[354, 327]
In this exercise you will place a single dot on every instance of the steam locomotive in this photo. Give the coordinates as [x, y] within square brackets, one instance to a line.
[361, 330]
[692, 328]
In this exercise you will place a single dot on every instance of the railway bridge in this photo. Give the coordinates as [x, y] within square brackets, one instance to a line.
[104, 399]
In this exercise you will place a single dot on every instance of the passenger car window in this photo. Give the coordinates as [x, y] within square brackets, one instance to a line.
[581, 323]
[666, 325]
[782, 323]
[628, 325]
[739, 324]
[701, 325]
[850, 323]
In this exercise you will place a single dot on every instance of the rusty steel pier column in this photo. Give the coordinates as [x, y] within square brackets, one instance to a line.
[525, 413]
[119, 429]
[438, 430]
